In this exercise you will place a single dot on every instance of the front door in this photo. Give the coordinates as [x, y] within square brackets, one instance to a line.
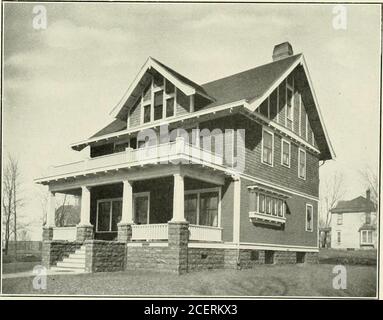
[141, 208]
[108, 215]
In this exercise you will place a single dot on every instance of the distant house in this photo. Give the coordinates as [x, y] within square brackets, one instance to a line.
[353, 224]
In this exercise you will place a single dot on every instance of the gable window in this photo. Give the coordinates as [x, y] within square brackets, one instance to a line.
[368, 218]
[267, 147]
[301, 163]
[286, 151]
[366, 237]
[289, 106]
[169, 107]
[158, 105]
[309, 218]
[108, 214]
[339, 220]
[338, 237]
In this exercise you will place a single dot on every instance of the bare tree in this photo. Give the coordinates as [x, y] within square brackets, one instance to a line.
[11, 202]
[333, 190]
[370, 180]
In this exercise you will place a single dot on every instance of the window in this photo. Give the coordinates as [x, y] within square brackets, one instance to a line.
[169, 87]
[338, 237]
[339, 219]
[309, 218]
[368, 218]
[289, 106]
[202, 207]
[108, 215]
[147, 113]
[366, 237]
[170, 107]
[267, 147]
[262, 203]
[286, 150]
[141, 207]
[158, 105]
[265, 204]
[191, 207]
[302, 164]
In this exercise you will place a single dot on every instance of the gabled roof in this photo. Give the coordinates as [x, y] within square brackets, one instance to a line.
[249, 84]
[249, 87]
[359, 204]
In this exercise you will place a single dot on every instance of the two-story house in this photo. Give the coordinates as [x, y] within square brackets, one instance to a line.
[353, 224]
[189, 176]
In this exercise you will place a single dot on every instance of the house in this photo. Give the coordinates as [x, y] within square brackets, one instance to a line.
[353, 224]
[190, 176]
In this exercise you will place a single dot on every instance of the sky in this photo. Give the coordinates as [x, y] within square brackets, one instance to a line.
[60, 83]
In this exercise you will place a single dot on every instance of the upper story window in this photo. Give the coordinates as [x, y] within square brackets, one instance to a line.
[158, 105]
[286, 152]
[368, 218]
[301, 163]
[267, 147]
[339, 219]
[309, 218]
[289, 106]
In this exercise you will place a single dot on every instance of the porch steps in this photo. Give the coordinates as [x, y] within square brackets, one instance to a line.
[75, 262]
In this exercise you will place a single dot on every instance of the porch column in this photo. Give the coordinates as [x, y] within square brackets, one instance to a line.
[85, 228]
[50, 222]
[178, 198]
[125, 225]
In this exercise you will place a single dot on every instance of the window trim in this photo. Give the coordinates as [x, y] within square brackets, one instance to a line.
[312, 218]
[289, 143]
[299, 163]
[110, 200]
[206, 190]
[272, 147]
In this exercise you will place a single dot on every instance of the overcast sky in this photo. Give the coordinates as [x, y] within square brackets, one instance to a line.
[61, 83]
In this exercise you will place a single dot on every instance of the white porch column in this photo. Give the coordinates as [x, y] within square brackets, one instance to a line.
[50, 223]
[85, 206]
[178, 199]
[127, 203]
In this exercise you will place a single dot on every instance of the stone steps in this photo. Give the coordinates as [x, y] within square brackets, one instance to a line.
[74, 262]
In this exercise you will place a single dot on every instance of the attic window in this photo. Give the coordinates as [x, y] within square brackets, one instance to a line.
[169, 87]
[158, 80]
[158, 105]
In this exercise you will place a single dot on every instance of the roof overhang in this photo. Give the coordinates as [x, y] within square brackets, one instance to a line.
[204, 114]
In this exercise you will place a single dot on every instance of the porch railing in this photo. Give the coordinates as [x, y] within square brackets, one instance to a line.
[64, 233]
[150, 231]
[177, 150]
[205, 233]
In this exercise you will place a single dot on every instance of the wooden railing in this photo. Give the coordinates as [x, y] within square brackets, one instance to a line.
[150, 231]
[205, 233]
[64, 233]
[177, 151]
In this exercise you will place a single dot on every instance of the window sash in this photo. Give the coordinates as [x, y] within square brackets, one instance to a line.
[302, 164]
[285, 153]
[309, 218]
[267, 146]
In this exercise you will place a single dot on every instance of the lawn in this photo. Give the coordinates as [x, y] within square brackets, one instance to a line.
[14, 267]
[352, 257]
[264, 280]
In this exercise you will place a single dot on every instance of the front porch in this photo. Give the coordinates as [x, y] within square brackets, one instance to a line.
[141, 210]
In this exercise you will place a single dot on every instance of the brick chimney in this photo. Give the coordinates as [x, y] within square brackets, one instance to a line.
[368, 194]
[282, 50]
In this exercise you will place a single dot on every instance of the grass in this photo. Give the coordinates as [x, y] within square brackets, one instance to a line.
[356, 257]
[264, 280]
[14, 267]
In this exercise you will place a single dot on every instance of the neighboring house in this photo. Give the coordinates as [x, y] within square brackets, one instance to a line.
[185, 202]
[353, 224]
